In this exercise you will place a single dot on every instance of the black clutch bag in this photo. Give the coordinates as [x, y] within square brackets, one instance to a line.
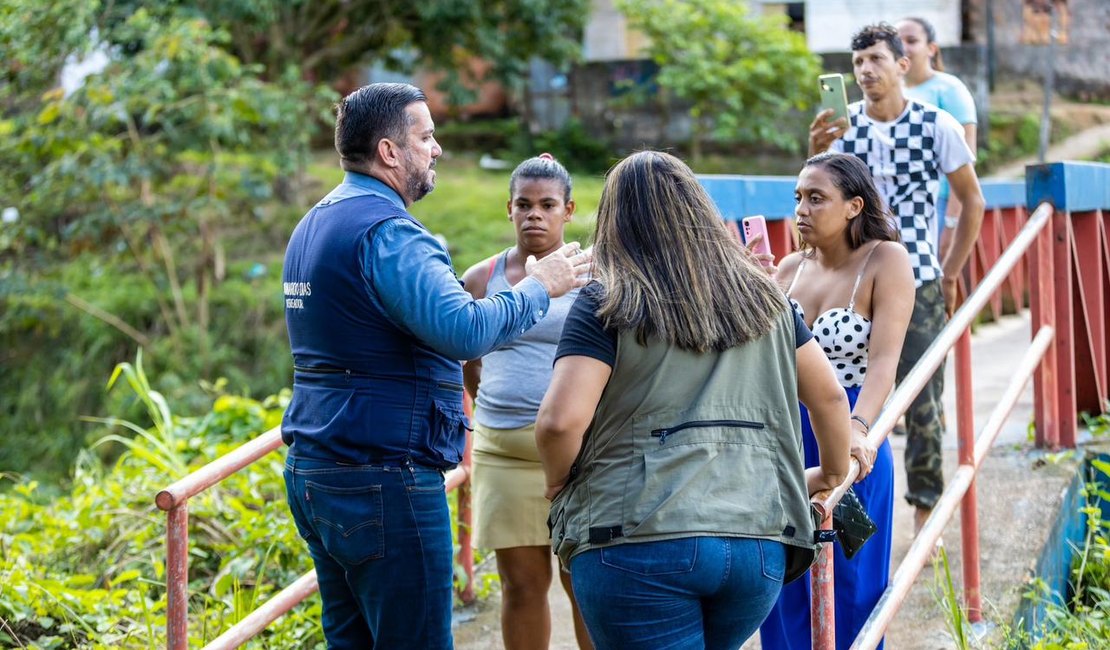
[852, 524]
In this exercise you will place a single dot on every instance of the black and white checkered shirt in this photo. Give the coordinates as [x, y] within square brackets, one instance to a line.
[906, 158]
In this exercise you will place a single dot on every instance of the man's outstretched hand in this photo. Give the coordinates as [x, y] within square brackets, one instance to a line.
[563, 270]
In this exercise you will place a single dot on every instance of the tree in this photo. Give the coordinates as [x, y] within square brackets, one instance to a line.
[141, 173]
[739, 74]
[325, 38]
[136, 186]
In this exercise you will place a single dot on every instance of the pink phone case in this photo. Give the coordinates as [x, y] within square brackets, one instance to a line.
[757, 225]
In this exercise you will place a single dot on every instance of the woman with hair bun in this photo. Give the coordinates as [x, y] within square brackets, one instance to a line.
[510, 512]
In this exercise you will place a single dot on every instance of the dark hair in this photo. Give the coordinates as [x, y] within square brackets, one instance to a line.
[369, 114]
[852, 177]
[669, 267]
[542, 167]
[878, 33]
[930, 38]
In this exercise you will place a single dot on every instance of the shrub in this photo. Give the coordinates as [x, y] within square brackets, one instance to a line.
[86, 569]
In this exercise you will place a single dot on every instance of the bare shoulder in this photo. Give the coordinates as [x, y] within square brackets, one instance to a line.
[787, 268]
[476, 278]
[789, 264]
[891, 260]
[891, 252]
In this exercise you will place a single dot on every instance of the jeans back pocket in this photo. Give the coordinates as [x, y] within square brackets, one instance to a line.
[348, 520]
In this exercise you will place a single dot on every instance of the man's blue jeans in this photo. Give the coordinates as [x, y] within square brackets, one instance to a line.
[694, 592]
[380, 538]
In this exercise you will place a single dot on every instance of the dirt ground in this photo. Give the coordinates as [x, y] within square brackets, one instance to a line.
[1019, 490]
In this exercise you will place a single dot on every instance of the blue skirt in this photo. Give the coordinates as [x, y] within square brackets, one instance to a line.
[859, 582]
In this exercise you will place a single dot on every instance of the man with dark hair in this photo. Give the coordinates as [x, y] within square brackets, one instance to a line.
[378, 322]
[907, 146]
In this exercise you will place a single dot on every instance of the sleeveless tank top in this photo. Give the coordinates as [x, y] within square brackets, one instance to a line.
[516, 375]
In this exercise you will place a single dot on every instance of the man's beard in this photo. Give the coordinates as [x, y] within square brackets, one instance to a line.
[417, 181]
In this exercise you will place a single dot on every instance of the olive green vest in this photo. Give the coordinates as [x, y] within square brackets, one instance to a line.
[685, 444]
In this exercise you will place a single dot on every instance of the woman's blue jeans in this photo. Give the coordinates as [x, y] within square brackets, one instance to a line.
[380, 538]
[693, 592]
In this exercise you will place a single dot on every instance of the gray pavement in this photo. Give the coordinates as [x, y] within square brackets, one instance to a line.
[1018, 495]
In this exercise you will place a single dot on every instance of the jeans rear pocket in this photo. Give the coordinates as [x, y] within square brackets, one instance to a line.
[773, 557]
[348, 521]
[653, 558]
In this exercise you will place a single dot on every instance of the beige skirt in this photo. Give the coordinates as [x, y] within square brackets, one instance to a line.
[508, 486]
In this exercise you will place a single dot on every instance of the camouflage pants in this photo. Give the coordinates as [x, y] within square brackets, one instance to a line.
[925, 417]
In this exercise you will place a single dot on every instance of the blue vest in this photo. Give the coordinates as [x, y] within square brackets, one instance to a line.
[364, 390]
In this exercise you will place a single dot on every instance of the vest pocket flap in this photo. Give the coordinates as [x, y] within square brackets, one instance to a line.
[449, 427]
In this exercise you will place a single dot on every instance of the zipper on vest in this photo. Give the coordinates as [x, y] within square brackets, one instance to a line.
[702, 424]
[450, 385]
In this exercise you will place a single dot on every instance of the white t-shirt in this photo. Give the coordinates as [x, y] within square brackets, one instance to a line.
[907, 157]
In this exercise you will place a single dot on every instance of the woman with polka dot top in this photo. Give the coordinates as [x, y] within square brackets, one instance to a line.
[853, 285]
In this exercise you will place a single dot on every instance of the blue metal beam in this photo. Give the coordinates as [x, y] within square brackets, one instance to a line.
[1068, 186]
[738, 196]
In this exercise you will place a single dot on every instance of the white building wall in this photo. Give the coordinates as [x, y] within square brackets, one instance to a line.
[831, 23]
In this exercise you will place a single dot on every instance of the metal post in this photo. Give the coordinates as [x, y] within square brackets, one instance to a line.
[1042, 301]
[465, 514]
[177, 577]
[1064, 307]
[990, 44]
[969, 512]
[1049, 83]
[822, 607]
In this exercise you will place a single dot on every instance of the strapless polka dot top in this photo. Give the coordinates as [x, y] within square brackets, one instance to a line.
[843, 334]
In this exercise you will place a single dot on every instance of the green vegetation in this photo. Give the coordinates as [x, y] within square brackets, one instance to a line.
[86, 568]
[155, 199]
[737, 73]
[1076, 621]
[1083, 621]
[148, 200]
[1014, 136]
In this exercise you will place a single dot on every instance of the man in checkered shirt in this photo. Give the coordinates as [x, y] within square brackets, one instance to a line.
[908, 145]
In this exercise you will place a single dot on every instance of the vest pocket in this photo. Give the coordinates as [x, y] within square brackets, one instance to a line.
[348, 520]
[449, 428]
[706, 476]
[704, 424]
[561, 544]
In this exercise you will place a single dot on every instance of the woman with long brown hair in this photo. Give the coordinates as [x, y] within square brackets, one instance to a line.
[670, 434]
[853, 285]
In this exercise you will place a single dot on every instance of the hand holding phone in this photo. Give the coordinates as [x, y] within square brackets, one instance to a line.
[757, 240]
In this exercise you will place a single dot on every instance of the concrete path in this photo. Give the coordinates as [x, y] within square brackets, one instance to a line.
[1084, 145]
[1018, 494]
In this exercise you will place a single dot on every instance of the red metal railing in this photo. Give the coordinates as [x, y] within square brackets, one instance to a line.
[1071, 278]
[175, 501]
[960, 491]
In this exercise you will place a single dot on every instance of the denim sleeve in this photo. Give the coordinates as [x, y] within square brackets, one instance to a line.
[409, 274]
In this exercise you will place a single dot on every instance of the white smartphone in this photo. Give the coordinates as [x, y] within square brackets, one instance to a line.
[757, 225]
[833, 95]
